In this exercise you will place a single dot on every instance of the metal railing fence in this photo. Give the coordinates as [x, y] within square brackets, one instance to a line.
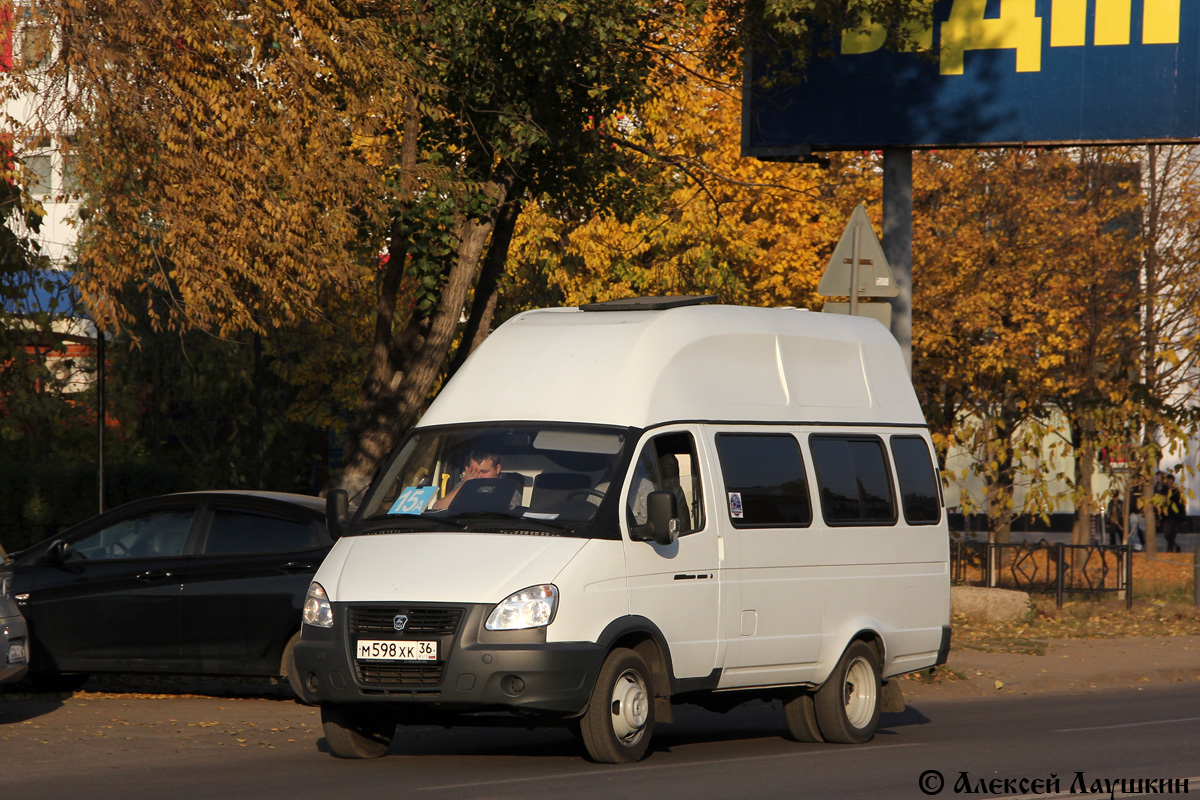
[1044, 567]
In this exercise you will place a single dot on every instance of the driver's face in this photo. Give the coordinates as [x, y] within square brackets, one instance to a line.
[487, 468]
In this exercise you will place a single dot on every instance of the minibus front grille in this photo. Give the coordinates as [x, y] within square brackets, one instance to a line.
[397, 675]
[419, 622]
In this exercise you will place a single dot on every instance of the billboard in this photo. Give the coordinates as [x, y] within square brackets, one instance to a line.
[990, 73]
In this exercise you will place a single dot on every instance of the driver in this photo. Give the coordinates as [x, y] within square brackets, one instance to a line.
[481, 464]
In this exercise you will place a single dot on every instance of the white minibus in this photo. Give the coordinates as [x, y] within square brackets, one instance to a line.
[615, 508]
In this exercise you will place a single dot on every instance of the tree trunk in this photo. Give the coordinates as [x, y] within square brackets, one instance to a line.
[1085, 448]
[389, 407]
[999, 483]
[1000, 504]
[483, 306]
[1150, 343]
[1150, 518]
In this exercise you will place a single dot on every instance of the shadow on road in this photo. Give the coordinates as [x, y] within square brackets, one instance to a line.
[909, 716]
[20, 707]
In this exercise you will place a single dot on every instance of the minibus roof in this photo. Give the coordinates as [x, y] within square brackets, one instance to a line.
[663, 361]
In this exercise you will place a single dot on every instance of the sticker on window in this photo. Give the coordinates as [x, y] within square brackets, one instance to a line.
[735, 505]
[413, 500]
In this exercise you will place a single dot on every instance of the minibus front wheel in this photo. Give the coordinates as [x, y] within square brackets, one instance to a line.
[617, 726]
[356, 732]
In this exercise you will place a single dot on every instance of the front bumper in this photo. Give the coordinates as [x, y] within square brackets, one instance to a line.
[477, 670]
[14, 649]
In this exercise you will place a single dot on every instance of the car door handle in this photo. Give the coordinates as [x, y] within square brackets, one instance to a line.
[153, 575]
[296, 566]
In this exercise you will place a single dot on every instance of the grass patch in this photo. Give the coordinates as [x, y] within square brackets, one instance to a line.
[942, 674]
[1101, 619]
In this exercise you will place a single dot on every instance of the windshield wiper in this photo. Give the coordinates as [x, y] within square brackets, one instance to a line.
[517, 520]
[414, 521]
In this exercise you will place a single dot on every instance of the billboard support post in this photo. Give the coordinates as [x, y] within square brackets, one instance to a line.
[897, 241]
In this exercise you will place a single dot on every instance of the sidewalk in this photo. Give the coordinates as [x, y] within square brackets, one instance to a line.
[1068, 666]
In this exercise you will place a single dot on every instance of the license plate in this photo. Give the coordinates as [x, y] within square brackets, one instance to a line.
[16, 654]
[377, 650]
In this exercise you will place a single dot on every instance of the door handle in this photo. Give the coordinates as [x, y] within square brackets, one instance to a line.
[153, 575]
[296, 566]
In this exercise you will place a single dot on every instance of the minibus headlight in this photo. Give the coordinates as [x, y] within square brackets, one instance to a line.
[529, 608]
[317, 610]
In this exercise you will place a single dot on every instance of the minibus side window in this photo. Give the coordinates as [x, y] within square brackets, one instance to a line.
[668, 463]
[765, 481]
[853, 479]
[919, 494]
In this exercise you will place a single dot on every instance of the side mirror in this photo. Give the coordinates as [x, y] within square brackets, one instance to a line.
[57, 554]
[662, 512]
[337, 510]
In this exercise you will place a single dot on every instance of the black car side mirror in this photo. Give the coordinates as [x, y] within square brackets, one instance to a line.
[57, 554]
[337, 510]
[662, 519]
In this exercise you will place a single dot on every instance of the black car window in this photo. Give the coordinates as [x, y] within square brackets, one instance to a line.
[153, 534]
[919, 495]
[765, 481]
[235, 532]
[853, 479]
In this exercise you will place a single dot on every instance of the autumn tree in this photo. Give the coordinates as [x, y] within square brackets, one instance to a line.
[1169, 340]
[1011, 257]
[1096, 387]
[710, 220]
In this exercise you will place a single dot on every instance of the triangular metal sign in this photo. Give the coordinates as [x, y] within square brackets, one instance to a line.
[875, 277]
[877, 311]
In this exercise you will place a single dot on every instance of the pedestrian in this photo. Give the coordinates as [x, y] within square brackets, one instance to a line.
[1174, 513]
[1112, 521]
[1137, 521]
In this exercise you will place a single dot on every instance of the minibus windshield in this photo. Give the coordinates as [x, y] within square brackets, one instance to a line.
[554, 477]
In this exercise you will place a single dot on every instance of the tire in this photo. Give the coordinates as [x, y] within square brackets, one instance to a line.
[56, 682]
[617, 726]
[357, 732]
[847, 705]
[287, 668]
[801, 718]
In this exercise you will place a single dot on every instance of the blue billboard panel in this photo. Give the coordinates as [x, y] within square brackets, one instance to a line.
[992, 72]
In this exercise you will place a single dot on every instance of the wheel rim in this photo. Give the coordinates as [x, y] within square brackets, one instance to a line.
[858, 693]
[630, 707]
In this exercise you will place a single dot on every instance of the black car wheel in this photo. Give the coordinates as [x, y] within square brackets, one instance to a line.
[56, 682]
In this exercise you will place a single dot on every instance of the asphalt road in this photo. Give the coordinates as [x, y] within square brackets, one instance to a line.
[98, 746]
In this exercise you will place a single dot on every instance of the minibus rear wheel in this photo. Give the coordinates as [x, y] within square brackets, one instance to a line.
[801, 717]
[847, 705]
[357, 732]
[617, 726]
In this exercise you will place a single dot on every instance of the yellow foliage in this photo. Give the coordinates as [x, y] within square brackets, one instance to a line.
[204, 135]
[746, 230]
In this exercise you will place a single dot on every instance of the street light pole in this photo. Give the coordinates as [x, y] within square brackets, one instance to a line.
[100, 404]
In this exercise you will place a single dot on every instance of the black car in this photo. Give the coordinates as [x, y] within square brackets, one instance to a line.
[200, 583]
[14, 660]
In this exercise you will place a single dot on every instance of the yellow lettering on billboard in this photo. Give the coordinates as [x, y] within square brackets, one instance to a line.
[1068, 23]
[870, 36]
[866, 39]
[1160, 21]
[1113, 18]
[1017, 28]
